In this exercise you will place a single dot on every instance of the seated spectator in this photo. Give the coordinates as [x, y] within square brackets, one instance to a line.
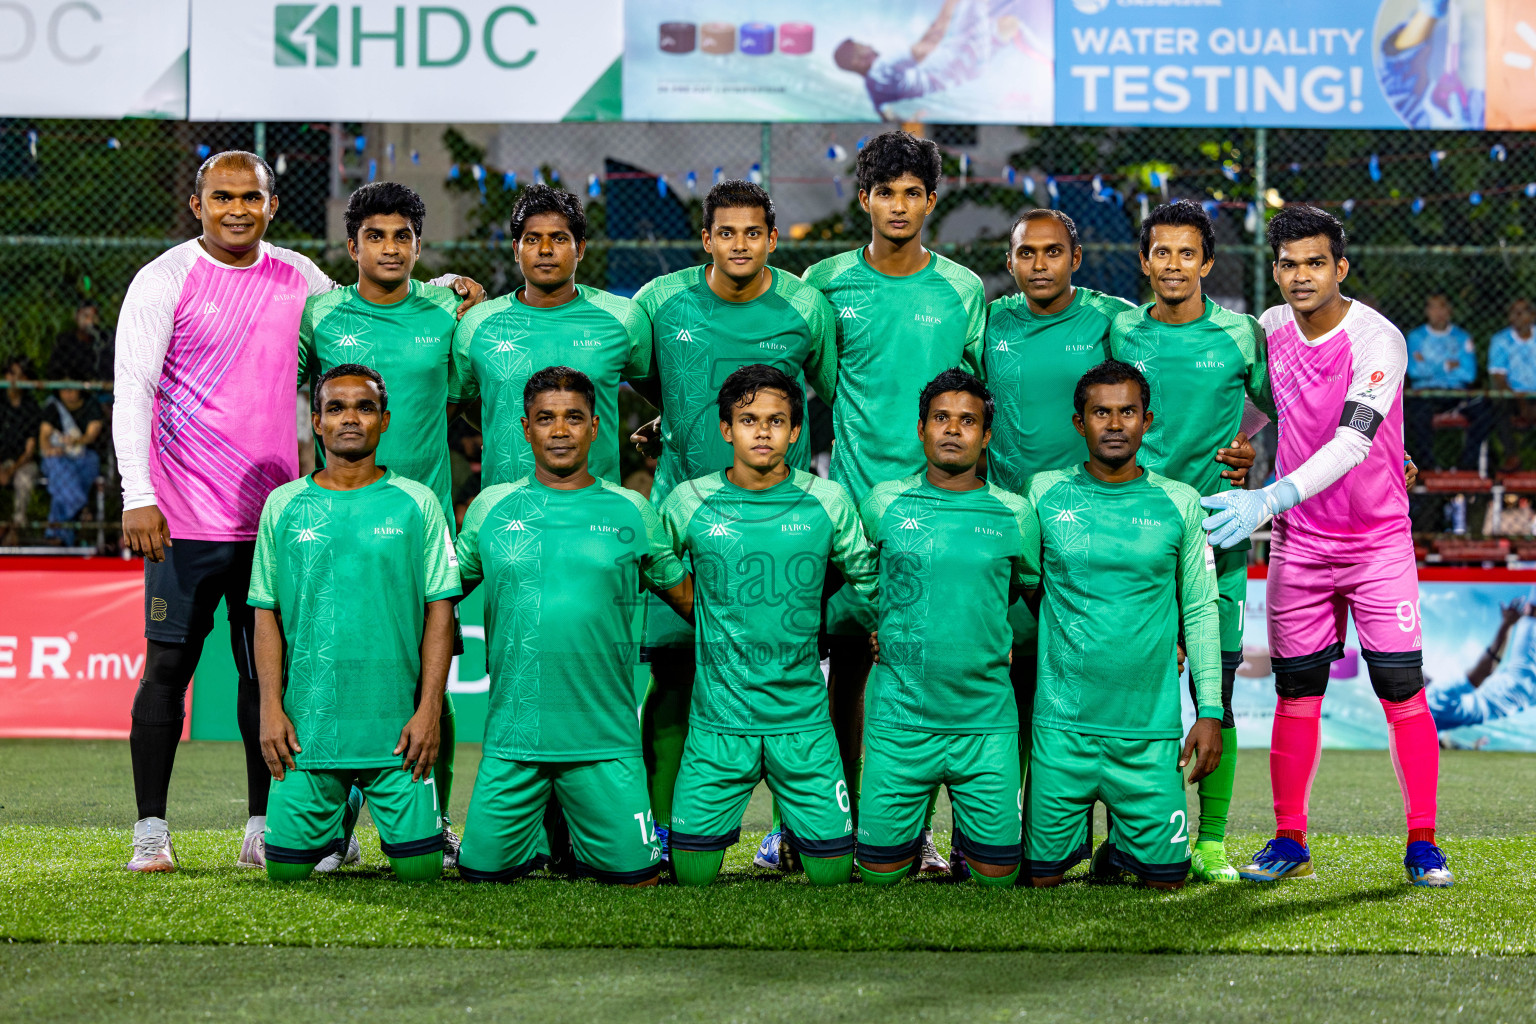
[83, 352]
[1441, 355]
[19, 421]
[72, 424]
[1512, 367]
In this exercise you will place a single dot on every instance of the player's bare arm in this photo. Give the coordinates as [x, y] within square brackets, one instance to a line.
[279, 741]
[420, 737]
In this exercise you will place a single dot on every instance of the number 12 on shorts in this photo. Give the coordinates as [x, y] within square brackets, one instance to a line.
[647, 826]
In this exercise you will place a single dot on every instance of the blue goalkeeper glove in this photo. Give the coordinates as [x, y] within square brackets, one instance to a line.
[1436, 9]
[1239, 512]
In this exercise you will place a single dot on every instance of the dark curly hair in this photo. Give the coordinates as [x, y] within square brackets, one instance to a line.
[537, 199]
[733, 193]
[1110, 371]
[743, 385]
[559, 378]
[351, 370]
[892, 154]
[956, 379]
[384, 197]
[1181, 213]
[1293, 223]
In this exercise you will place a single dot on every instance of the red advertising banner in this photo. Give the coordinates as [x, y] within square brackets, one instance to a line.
[71, 647]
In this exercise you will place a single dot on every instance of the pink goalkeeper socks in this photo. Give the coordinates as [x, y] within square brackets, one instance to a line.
[1294, 748]
[1415, 749]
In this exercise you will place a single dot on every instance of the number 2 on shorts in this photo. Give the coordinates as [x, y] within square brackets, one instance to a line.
[1180, 830]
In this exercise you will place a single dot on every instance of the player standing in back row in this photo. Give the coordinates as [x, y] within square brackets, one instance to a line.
[404, 330]
[904, 314]
[1342, 539]
[706, 323]
[207, 356]
[1201, 361]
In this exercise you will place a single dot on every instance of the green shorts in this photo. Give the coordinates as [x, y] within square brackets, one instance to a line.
[804, 771]
[902, 767]
[606, 804]
[305, 810]
[1139, 782]
[1231, 596]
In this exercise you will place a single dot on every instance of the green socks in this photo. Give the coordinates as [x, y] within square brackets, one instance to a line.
[696, 867]
[829, 870]
[883, 877]
[443, 770]
[933, 808]
[288, 872]
[428, 867]
[664, 729]
[1000, 882]
[1216, 791]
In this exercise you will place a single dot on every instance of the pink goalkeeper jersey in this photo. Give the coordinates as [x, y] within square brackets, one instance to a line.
[207, 364]
[1363, 516]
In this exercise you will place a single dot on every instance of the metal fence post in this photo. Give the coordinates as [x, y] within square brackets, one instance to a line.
[765, 156]
[1260, 186]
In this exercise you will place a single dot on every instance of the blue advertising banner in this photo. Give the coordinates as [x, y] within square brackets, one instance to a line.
[1492, 709]
[1329, 63]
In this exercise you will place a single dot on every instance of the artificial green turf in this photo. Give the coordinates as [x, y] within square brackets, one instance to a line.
[181, 983]
[62, 881]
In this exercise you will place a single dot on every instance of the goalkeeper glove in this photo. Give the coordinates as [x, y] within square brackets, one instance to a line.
[1239, 512]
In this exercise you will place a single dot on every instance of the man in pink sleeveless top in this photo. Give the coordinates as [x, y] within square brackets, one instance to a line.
[1342, 540]
[205, 429]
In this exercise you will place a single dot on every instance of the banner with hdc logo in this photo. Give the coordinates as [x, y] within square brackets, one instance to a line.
[371, 60]
[102, 58]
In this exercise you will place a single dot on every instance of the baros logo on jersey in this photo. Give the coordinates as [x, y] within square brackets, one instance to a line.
[794, 527]
[1145, 519]
[1210, 362]
[988, 531]
[586, 341]
[389, 529]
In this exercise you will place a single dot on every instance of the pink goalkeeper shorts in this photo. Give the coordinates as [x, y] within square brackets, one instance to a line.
[1308, 600]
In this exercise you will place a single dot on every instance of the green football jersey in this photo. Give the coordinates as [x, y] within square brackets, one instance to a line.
[1199, 373]
[563, 573]
[894, 335]
[350, 574]
[700, 339]
[504, 342]
[1124, 566]
[947, 561]
[410, 344]
[759, 560]
[1032, 367]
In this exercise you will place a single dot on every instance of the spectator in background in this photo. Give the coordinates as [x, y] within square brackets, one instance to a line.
[1441, 355]
[1512, 367]
[72, 425]
[465, 448]
[83, 352]
[19, 422]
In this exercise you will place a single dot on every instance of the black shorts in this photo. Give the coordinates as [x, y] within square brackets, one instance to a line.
[182, 592]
